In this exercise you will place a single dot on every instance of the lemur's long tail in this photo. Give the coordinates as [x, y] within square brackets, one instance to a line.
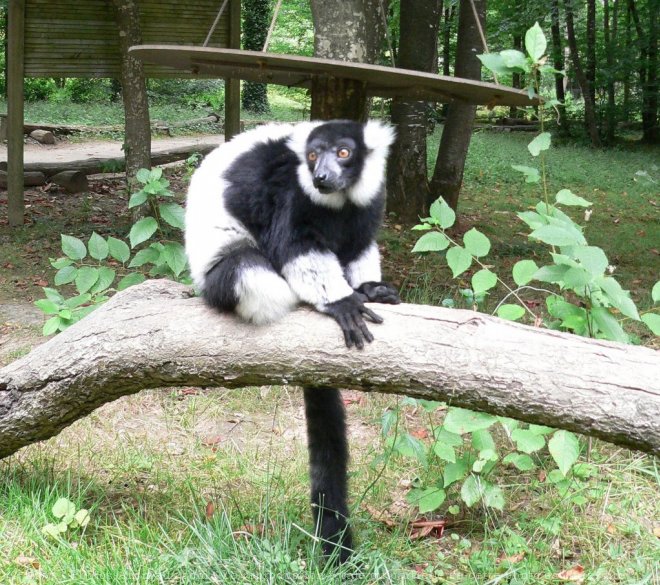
[328, 462]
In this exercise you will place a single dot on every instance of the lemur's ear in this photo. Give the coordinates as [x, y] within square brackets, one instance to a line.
[299, 135]
[378, 136]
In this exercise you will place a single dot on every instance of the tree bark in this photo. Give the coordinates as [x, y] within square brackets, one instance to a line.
[652, 129]
[446, 46]
[589, 109]
[256, 18]
[558, 64]
[155, 335]
[591, 49]
[450, 163]
[137, 134]
[408, 190]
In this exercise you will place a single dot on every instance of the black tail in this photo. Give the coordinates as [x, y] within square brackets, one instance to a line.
[328, 461]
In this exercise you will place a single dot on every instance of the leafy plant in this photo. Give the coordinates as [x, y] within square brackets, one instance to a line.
[103, 266]
[68, 518]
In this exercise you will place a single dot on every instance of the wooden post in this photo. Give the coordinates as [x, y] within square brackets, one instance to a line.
[233, 86]
[15, 70]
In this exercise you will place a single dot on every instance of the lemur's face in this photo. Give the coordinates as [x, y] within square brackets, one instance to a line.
[335, 156]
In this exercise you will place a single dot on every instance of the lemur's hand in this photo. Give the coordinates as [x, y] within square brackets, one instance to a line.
[350, 312]
[378, 292]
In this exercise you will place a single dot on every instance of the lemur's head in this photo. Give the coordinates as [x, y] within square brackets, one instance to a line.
[343, 161]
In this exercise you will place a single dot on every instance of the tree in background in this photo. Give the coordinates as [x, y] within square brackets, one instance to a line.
[256, 19]
[450, 163]
[408, 191]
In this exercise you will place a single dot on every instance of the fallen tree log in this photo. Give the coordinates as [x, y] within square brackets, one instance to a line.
[155, 335]
[94, 166]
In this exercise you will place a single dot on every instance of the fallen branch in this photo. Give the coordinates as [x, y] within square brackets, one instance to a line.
[155, 335]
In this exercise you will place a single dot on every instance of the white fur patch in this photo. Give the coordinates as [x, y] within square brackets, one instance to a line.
[210, 228]
[263, 295]
[365, 268]
[378, 137]
[317, 278]
[334, 200]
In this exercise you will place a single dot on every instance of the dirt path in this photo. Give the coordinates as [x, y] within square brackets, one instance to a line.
[65, 151]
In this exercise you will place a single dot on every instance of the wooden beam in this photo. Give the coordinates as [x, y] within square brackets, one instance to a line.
[233, 86]
[15, 112]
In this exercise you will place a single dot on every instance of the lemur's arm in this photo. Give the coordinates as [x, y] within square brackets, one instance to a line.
[316, 276]
[364, 275]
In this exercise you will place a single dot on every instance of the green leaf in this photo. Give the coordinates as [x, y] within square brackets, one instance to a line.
[47, 306]
[566, 197]
[540, 429]
[523, 271]
[576, 278]
[608, 325]
[73, 247]
[551, 273]
[130, 280]
[532, 219]
[445, 452]
[173, 214]
[515, 59]
[494, 62]
[54, 530]
[471, 491]
[655, 292]
[461, 421]
[555, 235]
[422, 227]
[53, 295]
[106, 278]
[535, 42]
[148, 255]
[532, 174]
[118, 250]
[98, 247]
[493, 496]
[138, 198]
[142, 230]
[155, 174]
[442, 435]
[520, 461]
[387, 421]
[482, 440]
[82, 517]
[456, 471]
[592, 258]
[510, 312]
[540, 142]
[431, 242]
[175, 256]
[65, 275]
[409, 446]
[476, 243]
[65, 314]
[618, 297]
[61, 263]
[76, 301]
[442, 213]
[143, 175]
[652, 321]
[63, 508]
[483, 281]
[527, 441]
[86, 278]
[565, 449]
[51, 326]
[428, 499]
[459, 260]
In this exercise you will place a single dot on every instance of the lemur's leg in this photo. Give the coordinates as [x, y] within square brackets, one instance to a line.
[328, 461]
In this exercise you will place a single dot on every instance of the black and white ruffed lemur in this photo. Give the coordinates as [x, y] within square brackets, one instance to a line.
[287, 214]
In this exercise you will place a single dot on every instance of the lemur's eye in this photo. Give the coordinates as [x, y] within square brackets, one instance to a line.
[312, 156]
[343, 153]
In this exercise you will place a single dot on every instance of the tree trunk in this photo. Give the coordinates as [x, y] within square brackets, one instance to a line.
[583, 82]
[609, 31]
[603, 389]
[558, 64]
[626, 71]
[446, 47]
[256, 18]
[516, 78]
[137, 136]
[450, 163]
[407, 176]
[652, 129]
[358, 40]
[591, 49]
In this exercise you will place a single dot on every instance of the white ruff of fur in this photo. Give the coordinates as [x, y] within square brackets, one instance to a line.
[365, 268]
[209, 226]
[263, 295]
[378, 138]
[317, 278]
